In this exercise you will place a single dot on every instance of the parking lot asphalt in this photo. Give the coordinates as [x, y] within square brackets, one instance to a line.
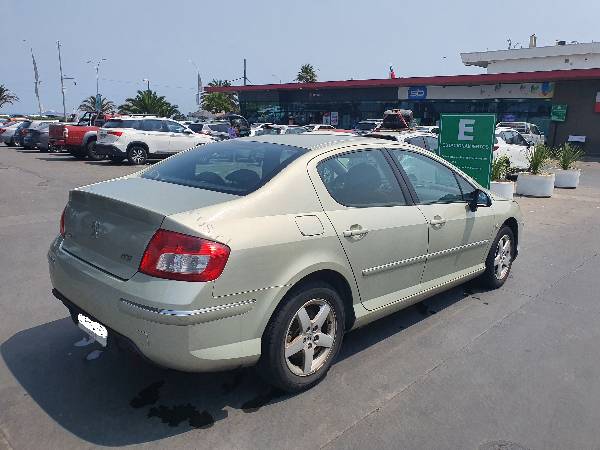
[467, 369]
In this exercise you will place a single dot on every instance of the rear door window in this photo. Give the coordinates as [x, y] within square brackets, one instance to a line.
[233, 167]
[361, 179]
[153, 125]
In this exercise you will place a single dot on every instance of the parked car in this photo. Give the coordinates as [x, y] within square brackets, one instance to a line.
[256, 127]
[396, 120]
[319, 127]
[29, 135]
[528, 130]
[12, 135]
[427, 141]
[7, 133]
[78, 138]
[141, 138]
[428, 128]
[509, 142]
[280, 129]
[217, 130]
[266, 250]
[37, 137]
[366, 126]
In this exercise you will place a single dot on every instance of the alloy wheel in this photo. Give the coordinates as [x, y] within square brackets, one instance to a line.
[503, 257]
[310, 337]
[137, 155]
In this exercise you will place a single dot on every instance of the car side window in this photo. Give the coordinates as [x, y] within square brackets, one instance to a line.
[432, 181]
[152, 125]
[361, 179]
[467, 189]
[175, 127]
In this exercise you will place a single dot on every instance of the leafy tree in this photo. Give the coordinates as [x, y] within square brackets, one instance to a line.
[7, 97]
[89, 105]
[306, 74]
[217, 102]
[148, 102]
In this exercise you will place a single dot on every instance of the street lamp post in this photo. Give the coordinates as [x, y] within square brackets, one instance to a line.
[97, 72]
[198, 83]
[148, 84]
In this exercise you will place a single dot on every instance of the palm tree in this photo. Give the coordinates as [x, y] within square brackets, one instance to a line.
[89, 105]
[7, 97]
[149, 102]
[306, 74]
[218, 102]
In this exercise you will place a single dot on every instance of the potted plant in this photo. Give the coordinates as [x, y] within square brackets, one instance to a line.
[566, 157]
[500, 185]
[536, 182]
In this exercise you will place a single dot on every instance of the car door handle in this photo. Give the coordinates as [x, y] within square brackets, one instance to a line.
[355, 232]
[437, 222]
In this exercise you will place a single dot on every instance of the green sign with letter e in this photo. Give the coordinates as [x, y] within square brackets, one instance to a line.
[467, 141]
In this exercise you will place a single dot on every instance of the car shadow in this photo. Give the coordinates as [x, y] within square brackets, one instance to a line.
[113, 398]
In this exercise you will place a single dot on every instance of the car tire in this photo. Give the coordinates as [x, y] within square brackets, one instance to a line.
[11, 143]
[136, 154]
[43, 149]
[309, 316]
[499, 259]
[91, 151]
[116, 159]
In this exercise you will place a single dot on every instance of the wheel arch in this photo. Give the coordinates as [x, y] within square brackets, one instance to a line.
[88, 137]
[140, 143]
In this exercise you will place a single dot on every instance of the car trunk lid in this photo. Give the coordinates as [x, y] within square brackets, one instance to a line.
[110, 224]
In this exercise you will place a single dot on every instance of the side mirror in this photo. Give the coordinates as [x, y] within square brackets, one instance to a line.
[480, 199]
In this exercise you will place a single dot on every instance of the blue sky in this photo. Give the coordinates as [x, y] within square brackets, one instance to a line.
[342, 39]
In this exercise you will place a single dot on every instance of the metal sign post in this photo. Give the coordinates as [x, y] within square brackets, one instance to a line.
[467, 141]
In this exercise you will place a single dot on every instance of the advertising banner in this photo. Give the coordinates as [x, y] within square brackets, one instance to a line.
[467, 141]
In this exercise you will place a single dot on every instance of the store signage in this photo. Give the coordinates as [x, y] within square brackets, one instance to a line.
[467, 141]
[597, 104]
[478, 92]
[417, 93]
[558, 113]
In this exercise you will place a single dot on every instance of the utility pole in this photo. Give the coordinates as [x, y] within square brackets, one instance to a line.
[245, 78]
[147, 84]
[36, 78]
[62, 82]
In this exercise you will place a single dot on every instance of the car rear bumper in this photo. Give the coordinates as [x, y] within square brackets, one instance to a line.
[109, 150]
[198, 333]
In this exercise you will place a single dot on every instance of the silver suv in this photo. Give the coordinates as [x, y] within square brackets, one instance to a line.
[139, 138]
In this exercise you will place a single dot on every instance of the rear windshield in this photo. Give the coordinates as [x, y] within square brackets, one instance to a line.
[120, 123]
[395, 121]
[222, 127]
[232, 167]
[196, 127]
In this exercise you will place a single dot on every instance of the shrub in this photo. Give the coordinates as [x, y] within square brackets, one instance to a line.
[500, 168]
[567, 155]
[538, 158]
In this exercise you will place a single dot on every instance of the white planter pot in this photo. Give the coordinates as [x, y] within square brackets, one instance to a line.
[504, 189]
[535, 185]
[567, 178]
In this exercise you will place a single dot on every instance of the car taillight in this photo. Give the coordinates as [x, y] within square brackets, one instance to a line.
[177, 256]
[496, 147]
[2, 130]
[65, 133]
[62, 223]
[115, 133]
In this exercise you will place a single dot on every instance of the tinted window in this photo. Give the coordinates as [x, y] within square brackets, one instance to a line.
[232, 167]
[295, 130]
[361, 179]
[122, 123]
[365, 126]
[221, 127]
[433, 182]
[196, 127]
[153, 125]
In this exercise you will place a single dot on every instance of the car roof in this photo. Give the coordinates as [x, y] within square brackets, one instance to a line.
[310, 141]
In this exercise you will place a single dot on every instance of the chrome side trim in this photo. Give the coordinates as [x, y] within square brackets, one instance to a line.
[421, 258]
[460, 248]
[393, 265]
[186, 317]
